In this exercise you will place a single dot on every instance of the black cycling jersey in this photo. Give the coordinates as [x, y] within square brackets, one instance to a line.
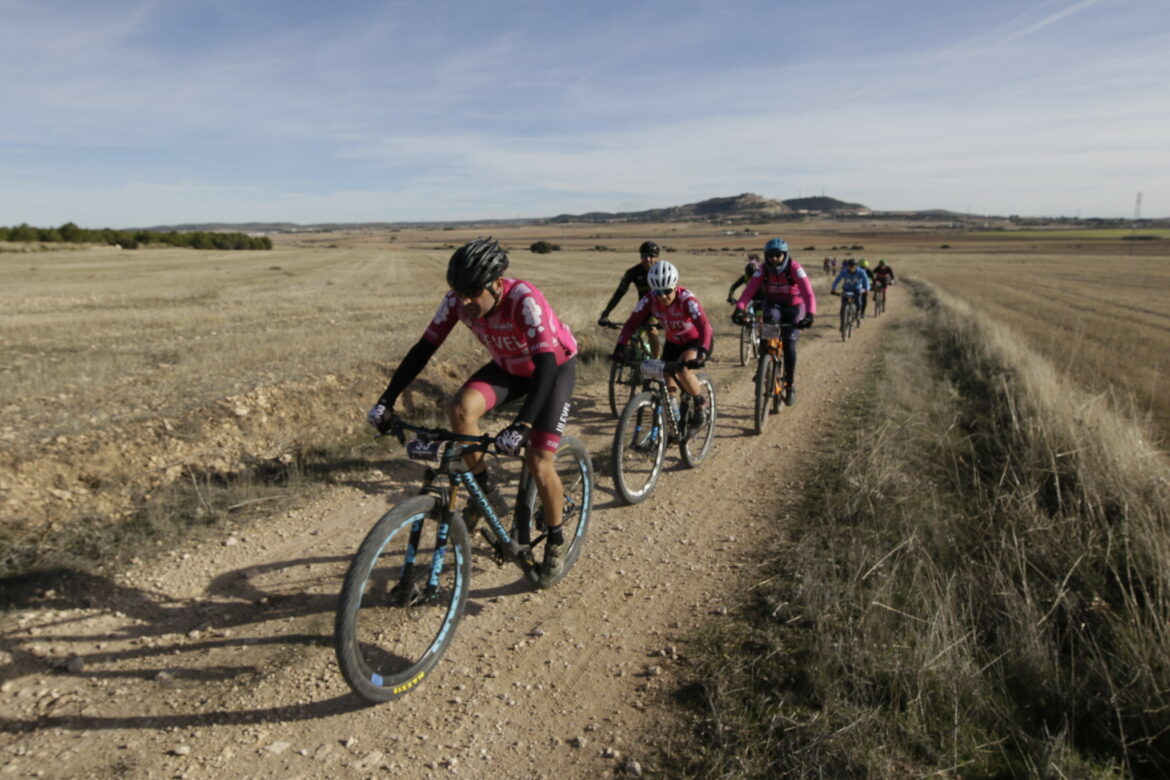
[635, 276]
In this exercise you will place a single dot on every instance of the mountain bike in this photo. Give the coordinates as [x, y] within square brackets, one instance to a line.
[625, 378]
[879, 300]
[406, 587]
[749, 336]
[850, 314]
[649, 422]
[770, 384]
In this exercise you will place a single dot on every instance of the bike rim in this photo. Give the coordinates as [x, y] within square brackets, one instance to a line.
[404, 621]
[640, 450]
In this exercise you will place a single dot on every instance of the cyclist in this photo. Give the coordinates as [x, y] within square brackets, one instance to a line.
[882, 276]
[533, 355]
[789, 301]
[636, 275]
[863, 264]
[689, 335]
[854, 283]
[749, 270]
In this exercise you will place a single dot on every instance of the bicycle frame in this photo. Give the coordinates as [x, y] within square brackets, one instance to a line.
[450, 454]
[654, 373]
[772, 345]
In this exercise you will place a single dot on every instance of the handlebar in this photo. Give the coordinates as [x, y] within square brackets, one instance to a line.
[398, 427]
[667, 367]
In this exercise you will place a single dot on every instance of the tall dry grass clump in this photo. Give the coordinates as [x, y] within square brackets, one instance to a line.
[976, 585]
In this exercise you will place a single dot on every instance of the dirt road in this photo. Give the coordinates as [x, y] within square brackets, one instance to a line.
[218, 661]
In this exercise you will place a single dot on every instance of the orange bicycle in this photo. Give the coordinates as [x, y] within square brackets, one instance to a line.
[770, 385]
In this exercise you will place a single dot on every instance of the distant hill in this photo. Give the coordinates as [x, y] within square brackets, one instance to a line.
[747, 206]
[825, 205]
[741, 208]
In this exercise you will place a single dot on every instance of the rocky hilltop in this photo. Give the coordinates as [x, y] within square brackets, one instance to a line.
[747, 206]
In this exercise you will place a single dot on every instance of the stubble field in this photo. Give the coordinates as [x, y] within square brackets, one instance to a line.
[128, 372]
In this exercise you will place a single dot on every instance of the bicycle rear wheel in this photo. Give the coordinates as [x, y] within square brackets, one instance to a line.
[639, 447]
[765, 382]
[394, 619]
[698, 441]
[576, 471]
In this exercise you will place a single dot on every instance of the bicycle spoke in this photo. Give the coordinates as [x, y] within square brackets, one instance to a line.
[638, 449]
[401, 598]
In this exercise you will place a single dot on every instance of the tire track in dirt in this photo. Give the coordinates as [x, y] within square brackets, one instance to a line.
[220, 662]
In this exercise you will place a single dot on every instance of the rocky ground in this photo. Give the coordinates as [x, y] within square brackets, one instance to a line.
[217, 660]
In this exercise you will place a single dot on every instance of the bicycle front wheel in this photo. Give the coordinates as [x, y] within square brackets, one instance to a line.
[639, 447]
[765, 382]
[745, 344]
[698, 441]
[402, 597]
[575, 469]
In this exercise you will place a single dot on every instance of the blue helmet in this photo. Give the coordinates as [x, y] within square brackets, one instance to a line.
[775, 246]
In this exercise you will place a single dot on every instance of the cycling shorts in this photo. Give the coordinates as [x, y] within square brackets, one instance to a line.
[672, 351]
[498, 387]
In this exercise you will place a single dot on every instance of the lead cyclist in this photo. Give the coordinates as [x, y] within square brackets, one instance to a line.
[533, 356]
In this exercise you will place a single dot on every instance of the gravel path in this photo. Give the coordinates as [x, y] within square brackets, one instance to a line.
[217, 661]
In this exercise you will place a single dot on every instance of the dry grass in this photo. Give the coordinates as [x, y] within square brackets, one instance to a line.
[978, 586]
[128, 371]
[1102, 320]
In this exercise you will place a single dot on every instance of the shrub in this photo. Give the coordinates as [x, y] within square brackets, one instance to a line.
[544, 247]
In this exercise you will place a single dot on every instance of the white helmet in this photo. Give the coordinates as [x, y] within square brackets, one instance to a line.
[662, 276]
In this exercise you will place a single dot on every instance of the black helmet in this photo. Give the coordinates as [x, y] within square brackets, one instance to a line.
[648, 249]
[475, 265]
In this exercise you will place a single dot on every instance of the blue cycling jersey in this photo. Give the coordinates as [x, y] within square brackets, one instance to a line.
[855, 281]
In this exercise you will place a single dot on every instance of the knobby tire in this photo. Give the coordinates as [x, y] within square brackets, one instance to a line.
[639, 447]
[698, 442]
[575, 468]
[389, 631]
[765, 382]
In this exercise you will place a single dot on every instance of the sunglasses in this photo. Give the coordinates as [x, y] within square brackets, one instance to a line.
[649, 257]
[469, 293]
[664, 292]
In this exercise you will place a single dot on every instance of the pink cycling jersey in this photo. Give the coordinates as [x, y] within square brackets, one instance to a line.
[780, 287]
[522, 325]
[683, 320]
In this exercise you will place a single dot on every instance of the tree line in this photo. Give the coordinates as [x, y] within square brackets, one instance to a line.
[70, 233]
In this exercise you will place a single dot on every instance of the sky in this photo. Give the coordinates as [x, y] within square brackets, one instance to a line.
[135, 113]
